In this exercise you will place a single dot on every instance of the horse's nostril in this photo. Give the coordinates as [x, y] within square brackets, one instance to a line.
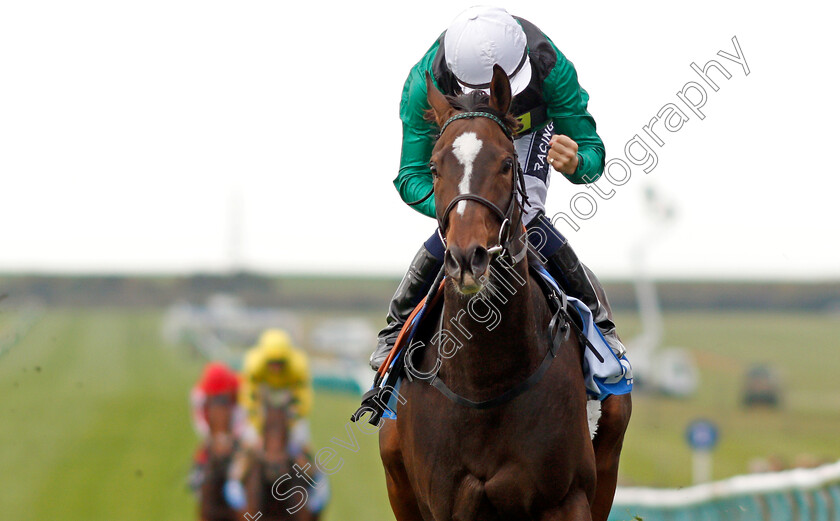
[453, 267]
[479, 261]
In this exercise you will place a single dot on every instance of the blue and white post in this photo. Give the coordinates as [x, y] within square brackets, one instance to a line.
[702, 437]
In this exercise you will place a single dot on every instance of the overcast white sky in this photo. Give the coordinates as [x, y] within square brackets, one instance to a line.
[131, 131]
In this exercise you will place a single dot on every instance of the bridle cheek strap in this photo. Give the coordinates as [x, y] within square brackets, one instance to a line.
[518, 197]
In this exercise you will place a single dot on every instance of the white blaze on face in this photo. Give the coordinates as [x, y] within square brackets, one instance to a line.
[466, 148]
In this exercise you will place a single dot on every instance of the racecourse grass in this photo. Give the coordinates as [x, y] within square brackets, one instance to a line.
[94, 420]
[804, 348]
[95, 426]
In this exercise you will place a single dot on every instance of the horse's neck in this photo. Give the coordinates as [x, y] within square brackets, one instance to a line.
[275, 432]
[498, 331]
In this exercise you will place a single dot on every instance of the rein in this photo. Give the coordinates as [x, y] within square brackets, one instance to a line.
[561, 322]
[557, 326]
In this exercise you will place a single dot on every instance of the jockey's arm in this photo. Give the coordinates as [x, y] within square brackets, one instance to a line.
[197, 401]
[414, 180]
[248, 389]
[567, 107]
[302, 393]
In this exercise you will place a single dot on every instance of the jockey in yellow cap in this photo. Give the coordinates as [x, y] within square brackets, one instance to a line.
[275, 362]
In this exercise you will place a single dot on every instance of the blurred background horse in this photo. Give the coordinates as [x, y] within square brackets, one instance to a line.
[273, 485]
[220, 447]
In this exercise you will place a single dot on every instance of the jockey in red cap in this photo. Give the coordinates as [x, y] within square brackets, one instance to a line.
[217, 381]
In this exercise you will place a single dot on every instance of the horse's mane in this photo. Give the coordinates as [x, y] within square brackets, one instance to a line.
[477, 101]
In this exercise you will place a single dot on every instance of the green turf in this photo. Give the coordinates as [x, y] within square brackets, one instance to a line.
[94, 420]
[803, 347]
[95, 426]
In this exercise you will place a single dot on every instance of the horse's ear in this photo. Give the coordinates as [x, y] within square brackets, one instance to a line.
[500, 94]
[440, 105]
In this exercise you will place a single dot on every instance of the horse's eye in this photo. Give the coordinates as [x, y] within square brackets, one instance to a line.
[507, 165]
[433, 169]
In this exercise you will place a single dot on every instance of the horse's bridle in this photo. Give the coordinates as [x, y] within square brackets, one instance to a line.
[518, 197]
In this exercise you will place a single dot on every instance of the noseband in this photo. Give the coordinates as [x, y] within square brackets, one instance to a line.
[518, 196]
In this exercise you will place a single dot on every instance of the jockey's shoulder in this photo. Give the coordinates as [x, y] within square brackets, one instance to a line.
[254, 362]
[299, 364]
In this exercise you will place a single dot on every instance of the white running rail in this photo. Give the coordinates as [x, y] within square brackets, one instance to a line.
[792, 495]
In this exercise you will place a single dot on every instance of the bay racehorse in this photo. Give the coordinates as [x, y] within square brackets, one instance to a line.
[271, 479]
[220, 448]
[501, 433]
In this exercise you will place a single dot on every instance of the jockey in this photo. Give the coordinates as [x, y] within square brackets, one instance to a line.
[557, 133]
[217, 381]
[276, 363]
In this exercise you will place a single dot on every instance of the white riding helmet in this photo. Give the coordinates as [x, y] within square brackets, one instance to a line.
[481, 37]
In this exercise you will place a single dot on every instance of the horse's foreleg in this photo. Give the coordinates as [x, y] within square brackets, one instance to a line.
[615, 415]
[574, 508]
[400, 494]
[252, 483]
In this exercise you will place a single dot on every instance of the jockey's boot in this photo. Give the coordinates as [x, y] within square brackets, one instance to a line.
[579, 282]
[199, 469]
[196, 477]
[414, 286]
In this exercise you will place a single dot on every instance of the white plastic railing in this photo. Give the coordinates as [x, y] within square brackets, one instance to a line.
[797, 495]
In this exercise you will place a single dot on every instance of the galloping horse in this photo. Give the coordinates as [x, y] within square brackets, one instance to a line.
[273, 463]
[220, 448]
[502, 433]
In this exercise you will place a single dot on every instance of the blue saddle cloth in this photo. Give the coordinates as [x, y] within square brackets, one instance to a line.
[613, 375]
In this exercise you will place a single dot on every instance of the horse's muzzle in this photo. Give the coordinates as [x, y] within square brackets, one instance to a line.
[467, 267]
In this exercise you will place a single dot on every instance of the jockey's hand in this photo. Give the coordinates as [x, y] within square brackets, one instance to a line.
[562, 154]
[235, 494]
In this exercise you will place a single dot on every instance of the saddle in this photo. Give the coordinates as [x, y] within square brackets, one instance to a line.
[379, 400]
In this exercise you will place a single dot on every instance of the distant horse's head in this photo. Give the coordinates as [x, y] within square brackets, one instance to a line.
[219, 413]
[477, 180]
[275, 404]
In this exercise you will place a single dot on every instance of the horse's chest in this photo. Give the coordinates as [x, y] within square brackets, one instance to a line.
[501, 468]
[509, 491]
[509, 462]
[536, 427]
